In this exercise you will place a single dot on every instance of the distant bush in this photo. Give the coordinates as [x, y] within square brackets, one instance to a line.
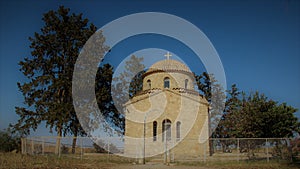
[102, 147]
[287, 150]
[64, 149]
[9, 142]
[99, 149]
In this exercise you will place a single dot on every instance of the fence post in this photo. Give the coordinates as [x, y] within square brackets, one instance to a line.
[43, 145]
[290, 149]
[22, 145]
[108, 142]
[238, 149]
[59, 147]
[267, 150]
[81, 149]
[32, 147]
[25, 145]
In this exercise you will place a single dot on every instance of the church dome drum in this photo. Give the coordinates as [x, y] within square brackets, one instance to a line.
[169, 74]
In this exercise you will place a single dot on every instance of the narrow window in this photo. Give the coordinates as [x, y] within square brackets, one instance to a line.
[186, 83]
[154, 131]
[149, 84]
[167, 82]
[166, 130]
[178, 124]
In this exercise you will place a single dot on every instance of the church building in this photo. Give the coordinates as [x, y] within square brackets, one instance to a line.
[168, 117]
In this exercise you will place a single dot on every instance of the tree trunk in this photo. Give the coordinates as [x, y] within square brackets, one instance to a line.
[74, 141]
[58, 138]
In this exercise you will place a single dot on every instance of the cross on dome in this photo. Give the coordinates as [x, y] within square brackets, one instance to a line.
[168, 55]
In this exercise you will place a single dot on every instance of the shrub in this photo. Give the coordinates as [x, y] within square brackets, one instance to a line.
[9, 142]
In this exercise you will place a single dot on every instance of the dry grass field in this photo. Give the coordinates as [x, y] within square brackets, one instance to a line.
[13, 160]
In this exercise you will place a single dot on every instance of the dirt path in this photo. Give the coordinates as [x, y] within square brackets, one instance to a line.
[155, 166]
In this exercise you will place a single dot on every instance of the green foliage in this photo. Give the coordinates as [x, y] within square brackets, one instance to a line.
[134, 68]
[129, 82]
[204, 85]
[214, 93]
[48, 89]
[256, 116]
[9, 142]
[114, 119]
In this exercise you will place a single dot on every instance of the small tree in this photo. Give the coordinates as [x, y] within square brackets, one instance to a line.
[214, 94]
[9, 142]
[127, 83]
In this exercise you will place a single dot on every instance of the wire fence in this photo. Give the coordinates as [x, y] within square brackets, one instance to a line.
[222, 149]
[256, 149]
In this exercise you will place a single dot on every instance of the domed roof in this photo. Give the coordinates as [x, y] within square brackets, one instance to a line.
[169, 65]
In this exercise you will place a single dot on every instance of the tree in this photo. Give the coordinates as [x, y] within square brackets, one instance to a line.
[256, 116]
[129, 82]
[113, 117]
[229, 120]
[204, 85]
[214, 94]
[111, 94]
[48, 89]
[262, 117]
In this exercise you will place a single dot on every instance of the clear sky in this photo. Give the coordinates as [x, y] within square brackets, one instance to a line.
[258, 41]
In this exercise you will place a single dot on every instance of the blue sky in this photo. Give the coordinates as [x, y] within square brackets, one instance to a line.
[257, 42]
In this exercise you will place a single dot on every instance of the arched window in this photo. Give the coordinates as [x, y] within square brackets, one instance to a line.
[178, 124]
[149, 84]
[154, 131]
[166, 130]
[186, 83]
[167, 82]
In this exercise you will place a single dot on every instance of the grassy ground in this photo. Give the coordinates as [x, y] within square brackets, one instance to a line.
[13, 160]
[244, 165]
